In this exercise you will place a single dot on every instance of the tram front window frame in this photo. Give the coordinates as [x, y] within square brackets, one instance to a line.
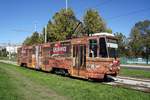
[112, 47]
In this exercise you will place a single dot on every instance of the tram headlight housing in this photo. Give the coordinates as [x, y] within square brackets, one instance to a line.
[110, 66]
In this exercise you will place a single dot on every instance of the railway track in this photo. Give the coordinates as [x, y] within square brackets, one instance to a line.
[129, 82]
[126, 82]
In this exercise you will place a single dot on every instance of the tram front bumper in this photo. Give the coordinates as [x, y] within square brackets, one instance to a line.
[95, 76]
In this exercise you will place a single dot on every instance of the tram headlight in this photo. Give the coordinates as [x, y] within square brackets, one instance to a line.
[118, 67]
[110, 66]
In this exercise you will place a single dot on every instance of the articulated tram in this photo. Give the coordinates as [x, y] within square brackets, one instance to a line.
[90, 57]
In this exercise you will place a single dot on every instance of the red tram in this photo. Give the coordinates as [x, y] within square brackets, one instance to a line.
[87, 57]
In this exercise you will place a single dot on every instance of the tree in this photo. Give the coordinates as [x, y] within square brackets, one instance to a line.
[27, 41]
[34, 39]
[135, 42]
[109, 30]
[144, 30]
[3, 52]
[121, 43]
[50, 32]
[93, 23]
[140, 37]
[62, 26]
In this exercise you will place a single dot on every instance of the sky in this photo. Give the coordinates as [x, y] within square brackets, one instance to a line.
[18, 17]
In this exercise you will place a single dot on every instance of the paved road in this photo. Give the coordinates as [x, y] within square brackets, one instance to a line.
[9, 62]
[139, 67]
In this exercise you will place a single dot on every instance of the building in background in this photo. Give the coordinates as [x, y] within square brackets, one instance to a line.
[10, 50]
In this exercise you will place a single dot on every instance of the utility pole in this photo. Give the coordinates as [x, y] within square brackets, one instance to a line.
[147, 53]
[66, 5]
[9, 48]
[35, 27]
[45, 34]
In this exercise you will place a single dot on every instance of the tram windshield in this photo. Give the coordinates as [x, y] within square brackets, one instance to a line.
[112, 47]
[108, 47]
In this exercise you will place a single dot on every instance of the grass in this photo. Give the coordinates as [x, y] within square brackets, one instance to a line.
[7, 89]
[135, 73]
[18, 83]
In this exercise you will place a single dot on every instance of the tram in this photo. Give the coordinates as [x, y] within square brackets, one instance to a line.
[89, 57]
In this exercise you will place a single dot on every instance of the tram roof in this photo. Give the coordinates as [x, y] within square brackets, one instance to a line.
[103, 34]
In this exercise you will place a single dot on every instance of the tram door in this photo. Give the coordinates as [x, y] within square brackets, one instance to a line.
[79, 55]
[38, 57]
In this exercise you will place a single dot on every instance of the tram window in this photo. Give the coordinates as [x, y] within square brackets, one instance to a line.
[103, 50]
[93, 48]
[24, 52]
[46, 52]
[113, 52]
[112, 47]
[74, 51]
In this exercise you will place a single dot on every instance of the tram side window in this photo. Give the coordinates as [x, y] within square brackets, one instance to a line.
[74, 51]
[93, 48]
[103, 50]
[46, 55]
[24, 52]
